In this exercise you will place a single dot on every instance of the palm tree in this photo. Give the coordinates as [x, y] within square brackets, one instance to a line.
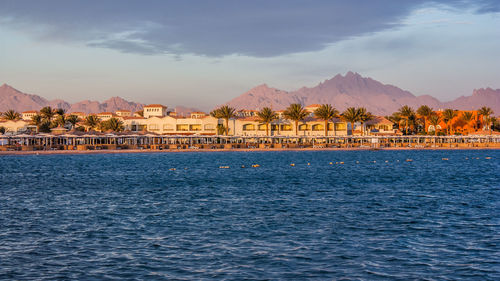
[225, 112]
[406, 114]
[364, 116]
[60, 121]
[326, 112]
[113, 124]
[60, 111]
[92, 121]
[47, 113]
[11, 115]
[486, 112]
[267, 115]
[425, 112]
[467, 117]
[395, 118]
[448, 115]
[2, 130]
[73, 120]
[434, 120]
[351, 115]
[296, 113]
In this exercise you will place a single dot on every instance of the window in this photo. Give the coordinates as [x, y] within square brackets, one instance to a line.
[303, 127]
[317, 127]
[262, 127]
[195, 127]
[340, 126]
[183, 127]
[153, 127]
[249, 127]
[209, 127]
[168, 127]
[286, 127]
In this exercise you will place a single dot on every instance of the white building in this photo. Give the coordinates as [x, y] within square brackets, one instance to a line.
[154, 110]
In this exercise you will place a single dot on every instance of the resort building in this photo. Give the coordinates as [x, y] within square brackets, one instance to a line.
[123, 113]
[154, 110]
[105, 115]
[380, 126]
[28, 115]
[16, 126]
[79, 114]
[251, 126]
[202, 125]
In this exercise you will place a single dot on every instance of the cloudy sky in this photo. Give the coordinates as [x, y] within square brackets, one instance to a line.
[202, 53]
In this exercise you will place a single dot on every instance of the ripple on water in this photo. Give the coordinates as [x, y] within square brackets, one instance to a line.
[129, 216]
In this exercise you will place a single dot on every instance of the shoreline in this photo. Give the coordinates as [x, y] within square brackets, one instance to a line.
[136, 151]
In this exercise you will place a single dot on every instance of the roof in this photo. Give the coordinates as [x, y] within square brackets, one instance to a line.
[105, 113]
[155, 105]
[30, 111]
[250, 118]
[314, 105]
[198, 112]
[132, 117]
[378, 120]
[123, 110]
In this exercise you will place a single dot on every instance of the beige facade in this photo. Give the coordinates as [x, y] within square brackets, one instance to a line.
[206, 125]
[123, 113]
[27, 115]
[155, 110]
[14, 127]
[251, 126]
[106, 115]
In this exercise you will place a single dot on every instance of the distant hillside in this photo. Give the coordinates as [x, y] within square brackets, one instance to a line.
[11, 98]
[355, 90]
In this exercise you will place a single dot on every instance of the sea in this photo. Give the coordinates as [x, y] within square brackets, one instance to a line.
[288, 215]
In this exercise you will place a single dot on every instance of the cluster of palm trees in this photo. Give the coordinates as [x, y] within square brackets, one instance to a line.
[49, 118]
[297, 113]
[417, 122]
[92, 123]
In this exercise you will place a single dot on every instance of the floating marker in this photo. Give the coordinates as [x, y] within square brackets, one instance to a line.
[409, 160]
[172, 169]
[308, 164]
[386, 161]
[357, 162]
[488, 157]
[242, 166]
[292, 165]
[331, 163]
[255, 165]
[445, 159]
[223, 167]
[341, 162]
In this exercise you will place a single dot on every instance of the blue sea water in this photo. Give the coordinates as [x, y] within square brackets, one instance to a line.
[128, 216]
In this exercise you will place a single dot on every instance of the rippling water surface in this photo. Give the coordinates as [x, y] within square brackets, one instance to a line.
[128, 216]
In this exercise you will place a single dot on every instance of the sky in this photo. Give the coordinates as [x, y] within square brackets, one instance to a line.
[202, 53]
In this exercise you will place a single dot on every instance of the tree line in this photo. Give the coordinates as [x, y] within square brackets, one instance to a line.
[49, 118]
[297, 113]
[411, 121]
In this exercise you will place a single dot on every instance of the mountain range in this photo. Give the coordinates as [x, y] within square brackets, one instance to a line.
[353, 90]
[11, 98]
[350, 90]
